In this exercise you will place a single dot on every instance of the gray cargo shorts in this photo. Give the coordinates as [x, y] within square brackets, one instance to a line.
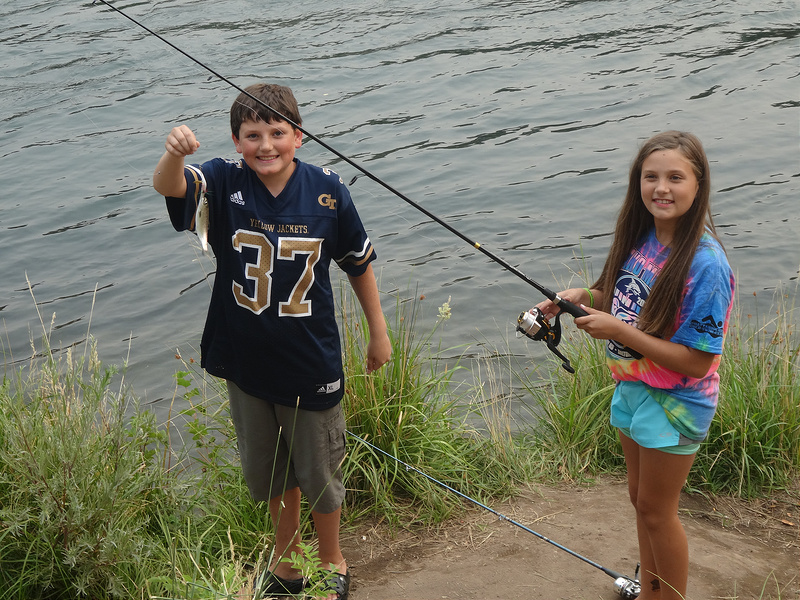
[283, 447]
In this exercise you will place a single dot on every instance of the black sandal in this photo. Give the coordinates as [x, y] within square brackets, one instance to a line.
[339, 584]
[274, 585]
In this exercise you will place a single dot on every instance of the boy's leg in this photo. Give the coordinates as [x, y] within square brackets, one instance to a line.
[330, 553]
[265, 463]
[317, 467]
[661, 477]
[285, 513]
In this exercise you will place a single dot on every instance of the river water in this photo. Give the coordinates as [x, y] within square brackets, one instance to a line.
[514, 122]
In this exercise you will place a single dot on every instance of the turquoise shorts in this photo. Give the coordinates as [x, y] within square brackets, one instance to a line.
[636, 414]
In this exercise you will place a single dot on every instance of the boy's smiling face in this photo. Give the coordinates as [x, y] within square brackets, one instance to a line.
[268, 149]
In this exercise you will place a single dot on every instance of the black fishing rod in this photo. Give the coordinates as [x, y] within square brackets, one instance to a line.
[625, 586]
[564, 305]
[533, 324]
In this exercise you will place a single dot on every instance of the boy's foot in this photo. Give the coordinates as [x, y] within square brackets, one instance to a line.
[269, 585]
[338, 586]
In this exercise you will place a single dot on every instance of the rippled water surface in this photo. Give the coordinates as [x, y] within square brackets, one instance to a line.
[512, 121]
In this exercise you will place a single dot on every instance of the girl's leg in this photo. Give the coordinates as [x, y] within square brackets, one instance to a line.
[659, 480]
[662, 477]
[285, 513]
[650, 583]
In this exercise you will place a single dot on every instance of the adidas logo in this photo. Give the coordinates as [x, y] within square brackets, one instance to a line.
[236, 198]
[328, 388]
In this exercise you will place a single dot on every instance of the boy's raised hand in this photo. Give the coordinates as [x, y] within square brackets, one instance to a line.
[181, 141]
[168, 179]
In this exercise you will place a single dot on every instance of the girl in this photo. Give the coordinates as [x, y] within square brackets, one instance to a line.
[663, 302]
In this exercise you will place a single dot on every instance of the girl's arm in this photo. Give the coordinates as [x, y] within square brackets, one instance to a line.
[168, 179]
[676, 357]
[379, 348]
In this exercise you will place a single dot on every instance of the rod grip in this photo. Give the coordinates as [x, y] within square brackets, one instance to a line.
[570, 308]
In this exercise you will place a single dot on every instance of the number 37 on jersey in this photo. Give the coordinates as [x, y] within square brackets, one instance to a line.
[260, 272]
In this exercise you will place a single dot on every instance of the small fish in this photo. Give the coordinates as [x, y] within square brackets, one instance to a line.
[202, 218]
[201, 222]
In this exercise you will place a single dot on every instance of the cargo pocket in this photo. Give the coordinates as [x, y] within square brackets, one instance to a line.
[336, 439]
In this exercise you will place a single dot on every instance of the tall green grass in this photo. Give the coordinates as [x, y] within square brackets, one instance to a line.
[408, 410]
[79, 497]
[573, 431]
[753, 446]
[98, 500]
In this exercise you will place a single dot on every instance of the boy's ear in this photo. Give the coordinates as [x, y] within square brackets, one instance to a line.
[236, 143]
[298, 138]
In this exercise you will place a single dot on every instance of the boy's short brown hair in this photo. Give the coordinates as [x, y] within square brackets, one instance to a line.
[279, 98]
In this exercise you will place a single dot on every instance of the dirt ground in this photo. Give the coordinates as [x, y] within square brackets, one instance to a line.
[738, 550]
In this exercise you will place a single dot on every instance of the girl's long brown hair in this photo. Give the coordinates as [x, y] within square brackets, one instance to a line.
[634, 221]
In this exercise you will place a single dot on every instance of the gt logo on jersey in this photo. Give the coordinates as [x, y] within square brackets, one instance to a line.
[326, 200]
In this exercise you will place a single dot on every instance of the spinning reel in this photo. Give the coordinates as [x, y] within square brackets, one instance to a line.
[628, 588]
[536, 326]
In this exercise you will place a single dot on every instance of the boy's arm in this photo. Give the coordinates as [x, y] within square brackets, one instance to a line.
[168, 179]
[379, 348]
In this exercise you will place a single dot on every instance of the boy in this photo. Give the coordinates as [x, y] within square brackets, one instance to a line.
[271, 333]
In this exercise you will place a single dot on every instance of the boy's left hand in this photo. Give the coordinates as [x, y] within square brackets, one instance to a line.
[379, 350]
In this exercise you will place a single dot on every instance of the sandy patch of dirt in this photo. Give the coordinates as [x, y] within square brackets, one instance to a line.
[736, 549]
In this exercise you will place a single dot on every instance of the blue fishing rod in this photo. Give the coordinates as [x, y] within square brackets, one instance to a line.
[532, 324]
[625, 586]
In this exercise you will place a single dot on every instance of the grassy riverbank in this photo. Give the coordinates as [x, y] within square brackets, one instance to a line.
[98, 500]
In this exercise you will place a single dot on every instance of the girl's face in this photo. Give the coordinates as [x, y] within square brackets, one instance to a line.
[669, 187]
[268, 149]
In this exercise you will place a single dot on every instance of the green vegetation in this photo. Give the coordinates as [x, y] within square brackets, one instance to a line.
[99, 501]
[754, 441]
[408, 410]
[753, 446]
[77, 495]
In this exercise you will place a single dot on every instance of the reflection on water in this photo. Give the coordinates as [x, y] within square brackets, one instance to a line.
[514, 122]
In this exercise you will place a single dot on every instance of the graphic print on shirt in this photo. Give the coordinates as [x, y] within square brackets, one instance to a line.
[630, 293]
[708, 325]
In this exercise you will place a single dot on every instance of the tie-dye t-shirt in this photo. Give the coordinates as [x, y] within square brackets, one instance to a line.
[701, 323]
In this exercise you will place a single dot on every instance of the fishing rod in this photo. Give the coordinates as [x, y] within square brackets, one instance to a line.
[624, 586]
[532, 324]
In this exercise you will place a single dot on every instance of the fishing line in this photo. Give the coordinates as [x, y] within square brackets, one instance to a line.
[565, 305]
[624, 586]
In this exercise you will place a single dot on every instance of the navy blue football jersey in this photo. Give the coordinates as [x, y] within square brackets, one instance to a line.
[271, 325]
